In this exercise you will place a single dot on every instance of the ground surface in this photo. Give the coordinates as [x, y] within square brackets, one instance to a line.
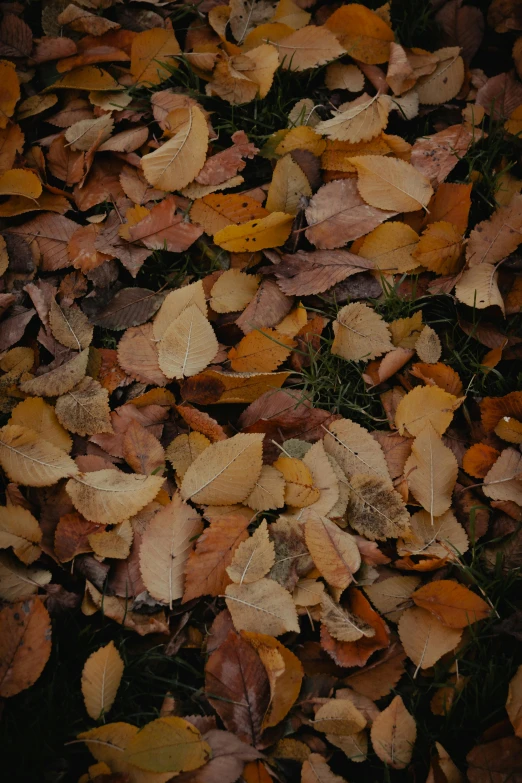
[346, 209]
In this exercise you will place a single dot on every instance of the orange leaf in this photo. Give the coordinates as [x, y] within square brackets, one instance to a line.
[452, 603]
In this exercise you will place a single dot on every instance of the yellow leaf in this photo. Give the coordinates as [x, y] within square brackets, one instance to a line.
[151, 52]
[217, 211]
[431, 471]
[301, 138]
[226, 472]
[363, 34]
[261, 350]
[289, 13]
[181, 158]
[340, 717]
[391, 246]
[389, 183]
[20, 530]
[270, 231]
[37, 415]
[10, 91]
[90, 77]
[115, 543]
[425, 405]
[168, 745]
[514, 123]
[440, 248]
[175, 303]
[20, 182]
[446, 80]
[31, 461]
[101, 677]
[184, 449]
[299, 490]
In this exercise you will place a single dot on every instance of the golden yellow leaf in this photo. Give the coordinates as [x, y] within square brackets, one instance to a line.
[165, 548]
[152, 56]
[393, 734]
[226, 472]
[90, 77]
[340, 717]
[217, 211]
[31, 461]
[299, 489]
[425, 405]
[406, 331]
[110, 496]
[270, 231]
[101, 677]
[325, 478]
[391, 247]
[360, 333]
[168, 745]
[10, 91]
[20, 182]
[253, 558]
[440, 248]
[115, 543]
[390, 183]
[261, 350]
[35, 414]
[180, 159]
[188, 345]
[233, 290]
[363, 34]
[301, 138]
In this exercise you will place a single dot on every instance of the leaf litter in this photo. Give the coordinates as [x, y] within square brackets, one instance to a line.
[259, 301]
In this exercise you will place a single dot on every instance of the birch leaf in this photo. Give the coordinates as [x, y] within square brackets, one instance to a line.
[262, 607]
[361, 120]
[360, 333]
[101, 677]
[391, 184]
[431, 471]
[334, 552]
[188, 345]
[424, 638]
[393, 735]
[110, 496]
[31, 461]
[253, 558]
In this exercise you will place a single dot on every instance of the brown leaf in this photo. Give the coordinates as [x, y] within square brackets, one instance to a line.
[129, 307]
[237, 687]
[25, 645]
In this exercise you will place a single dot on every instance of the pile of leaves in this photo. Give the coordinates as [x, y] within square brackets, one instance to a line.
[261, 412]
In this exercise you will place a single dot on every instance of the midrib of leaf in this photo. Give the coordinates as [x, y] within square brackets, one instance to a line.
[352, 452]
[220, 472]
[254, 606]
[424, 650]
[182, 141]
[69, 326]
[187, 350]
[86, 407]
[32, 459]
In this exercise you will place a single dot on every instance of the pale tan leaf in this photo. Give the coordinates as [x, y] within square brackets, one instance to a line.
[262, 607]
[424, 638]
[85, 134]
[20, 530]
[101, 677]
[253, 558]
[316, 770]
[493, 239]
[393, 735]
[374, 510]
[428, 347]
[269, 490]
[184, 449]
[188, 345]
[18, 583]
[115, 543]
[361, 120]
[504, 480]
[391, 184]
[344, 77]
[478, 287]
[181, 158]
[226, 472]
[341, 624]
[339, 717]
[110, 496]
[446, 80]
[152, 55]
[360, 333]
[334, 552]
[442, 537]
[233, 291]
[29, 460]
[390, 597]
[165, 548]
[289, 184]
[355, 449]
[324, 479]
[85, 408]
[431, 472]
[70, 326]
[175, 302]
[307, 48]
[59, 381]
